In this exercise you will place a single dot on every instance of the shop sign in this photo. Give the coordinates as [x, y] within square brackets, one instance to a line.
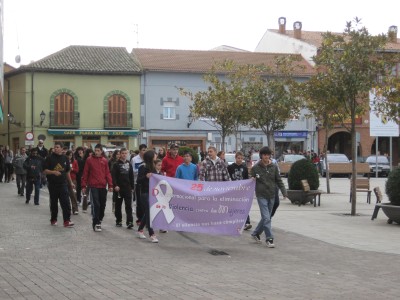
[94, 132]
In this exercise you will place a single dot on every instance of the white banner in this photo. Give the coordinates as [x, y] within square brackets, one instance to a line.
[379, 125]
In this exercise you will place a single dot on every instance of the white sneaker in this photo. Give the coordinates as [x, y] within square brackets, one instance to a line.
[154, 239]
[97, 228]
[141, 234]
[270, 243]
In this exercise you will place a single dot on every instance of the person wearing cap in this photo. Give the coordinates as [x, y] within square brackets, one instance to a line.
[171, 161]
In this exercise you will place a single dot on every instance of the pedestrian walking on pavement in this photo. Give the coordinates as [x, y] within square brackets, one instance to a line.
[267, 177]
[96, 177]
[114, 158]
[146, 170]
[213, 168]
[187, 170]
[238, 171]
[85, 203]
[81, 164]
[136, 162]
[124, 183]
[20, 172]
[57, 168]
[34, 167]
[72, 189]
[8, 159]
[171, 161]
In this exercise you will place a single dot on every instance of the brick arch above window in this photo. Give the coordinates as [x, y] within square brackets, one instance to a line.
[63, 91]
[116, 92]
[117, 110]
[64, 109]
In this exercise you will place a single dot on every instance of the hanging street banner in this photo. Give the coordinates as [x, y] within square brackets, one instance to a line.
[379, 125]
[211, 207]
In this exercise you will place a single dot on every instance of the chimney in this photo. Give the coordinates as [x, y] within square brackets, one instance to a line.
[297, 30]
[282, 25]
[392, 34]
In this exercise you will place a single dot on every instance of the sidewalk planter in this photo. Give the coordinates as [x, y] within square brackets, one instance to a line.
[300, 170]
[392, 212]
[299, 197]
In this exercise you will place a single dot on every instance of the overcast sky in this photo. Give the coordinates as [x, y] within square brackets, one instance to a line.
[35, 29]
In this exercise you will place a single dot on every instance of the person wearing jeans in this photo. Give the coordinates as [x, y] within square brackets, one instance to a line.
[267, 177]
[96, 177]
[20, 172]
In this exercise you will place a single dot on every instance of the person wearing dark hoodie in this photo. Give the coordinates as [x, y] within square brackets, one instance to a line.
[33, 166]
[124, 183]
[96, 177]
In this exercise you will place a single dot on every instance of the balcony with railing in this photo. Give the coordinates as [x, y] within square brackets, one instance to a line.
[64, 119]
[117, 120]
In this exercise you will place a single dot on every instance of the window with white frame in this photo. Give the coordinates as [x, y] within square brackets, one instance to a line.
[169, 111]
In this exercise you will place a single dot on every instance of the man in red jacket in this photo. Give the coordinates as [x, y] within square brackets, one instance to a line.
[96, 176]
[171, 161]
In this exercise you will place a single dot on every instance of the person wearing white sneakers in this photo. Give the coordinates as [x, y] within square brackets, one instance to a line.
[145, 171]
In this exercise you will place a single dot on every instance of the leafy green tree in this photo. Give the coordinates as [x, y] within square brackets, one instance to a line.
[348, 66]
[274, 99]
[222, 105]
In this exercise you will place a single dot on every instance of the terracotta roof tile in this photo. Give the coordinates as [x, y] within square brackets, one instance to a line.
[87, 59]
[196, 61]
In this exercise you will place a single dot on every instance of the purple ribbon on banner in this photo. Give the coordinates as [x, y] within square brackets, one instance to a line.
[211, 207]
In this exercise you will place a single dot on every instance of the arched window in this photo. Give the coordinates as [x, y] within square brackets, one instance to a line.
[63, 109]
[117, 111]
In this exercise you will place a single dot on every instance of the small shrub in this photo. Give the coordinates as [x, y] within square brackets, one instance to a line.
[392, 186]
[195, 156]
[303, 169]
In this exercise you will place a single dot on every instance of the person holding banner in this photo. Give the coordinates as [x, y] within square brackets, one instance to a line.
[213, 168]
[267, 176]
[145, 171]
[238, 171]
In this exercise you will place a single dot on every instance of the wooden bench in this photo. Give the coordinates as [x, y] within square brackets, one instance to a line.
[346, 168]
[284, 168]
[340, 168]
[362, 185]
[309, 192]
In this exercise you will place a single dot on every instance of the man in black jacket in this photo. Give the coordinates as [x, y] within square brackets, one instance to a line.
[124, 183]
[238, 171]
[33, 166]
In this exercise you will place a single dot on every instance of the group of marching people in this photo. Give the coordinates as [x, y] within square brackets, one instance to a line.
[84, 176]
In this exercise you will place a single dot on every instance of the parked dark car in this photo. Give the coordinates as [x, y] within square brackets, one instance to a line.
[383, 165]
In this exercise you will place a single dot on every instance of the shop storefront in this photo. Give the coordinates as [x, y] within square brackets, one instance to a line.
[89, 138]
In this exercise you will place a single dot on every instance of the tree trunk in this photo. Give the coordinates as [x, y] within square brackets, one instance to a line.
[271, 141]
[328, 187]
[353, 164]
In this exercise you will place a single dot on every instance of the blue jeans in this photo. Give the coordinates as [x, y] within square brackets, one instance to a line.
[30, 183]
[266, 206]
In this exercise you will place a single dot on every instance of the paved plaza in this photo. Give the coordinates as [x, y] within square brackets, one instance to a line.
[321, 253]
